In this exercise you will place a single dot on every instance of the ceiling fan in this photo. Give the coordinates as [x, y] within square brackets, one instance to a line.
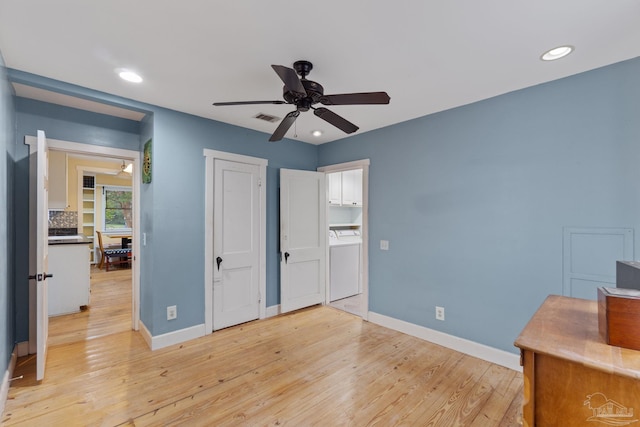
[304, 94]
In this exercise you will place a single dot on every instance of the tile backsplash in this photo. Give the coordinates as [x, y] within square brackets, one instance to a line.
[63, 219]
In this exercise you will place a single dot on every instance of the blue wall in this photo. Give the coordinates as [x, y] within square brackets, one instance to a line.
[7, 152]
[474, 200]
[172, 211]
[177, 277]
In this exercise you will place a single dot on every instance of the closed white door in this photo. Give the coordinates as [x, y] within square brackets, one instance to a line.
[303, 233]
[236, 297]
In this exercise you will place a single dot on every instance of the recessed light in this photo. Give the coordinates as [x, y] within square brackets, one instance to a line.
[129, 76]
[316, 133]
[557, 53]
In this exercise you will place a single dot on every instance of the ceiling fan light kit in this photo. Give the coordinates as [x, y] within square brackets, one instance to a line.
[304, 94]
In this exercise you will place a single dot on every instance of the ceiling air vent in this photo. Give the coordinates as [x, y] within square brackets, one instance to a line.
[267, 117]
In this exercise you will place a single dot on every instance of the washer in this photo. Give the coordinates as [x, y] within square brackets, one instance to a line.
[344, 259]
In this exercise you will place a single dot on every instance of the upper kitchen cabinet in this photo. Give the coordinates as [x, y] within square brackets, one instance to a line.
[58, 188]
[335, 188]
[345, 188]
[352, 188]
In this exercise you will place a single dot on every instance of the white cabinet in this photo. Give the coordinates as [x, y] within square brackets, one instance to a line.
[335, 188]
[58, 190]
[345, 188]
[69, 287]
[352, 188]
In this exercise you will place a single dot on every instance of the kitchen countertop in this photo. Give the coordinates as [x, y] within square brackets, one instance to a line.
[78, 239]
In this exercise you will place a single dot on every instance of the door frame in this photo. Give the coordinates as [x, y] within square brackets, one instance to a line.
[341, 167]
[210, 157]
[102, 151]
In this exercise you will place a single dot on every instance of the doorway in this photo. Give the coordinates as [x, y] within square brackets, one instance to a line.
[347, 249]
[102, 153]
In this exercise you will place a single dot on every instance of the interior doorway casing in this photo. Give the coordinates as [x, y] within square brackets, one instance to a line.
[341, 167]
[119, 153]
[210, 157]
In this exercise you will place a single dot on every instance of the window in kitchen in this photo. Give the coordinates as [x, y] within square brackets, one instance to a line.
[117, 213]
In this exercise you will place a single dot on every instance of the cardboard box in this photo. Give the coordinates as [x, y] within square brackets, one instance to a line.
[619, 317]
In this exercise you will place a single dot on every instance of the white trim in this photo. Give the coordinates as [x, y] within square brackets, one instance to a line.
[136, 179]
[171, 338]
[8, 374]
[341, 167]
[210, 156]
[472, 348]
[232, 157]
[146, 335]
[273, 310]
[22, 348]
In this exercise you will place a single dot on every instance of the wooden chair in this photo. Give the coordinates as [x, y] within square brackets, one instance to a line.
[112, 255]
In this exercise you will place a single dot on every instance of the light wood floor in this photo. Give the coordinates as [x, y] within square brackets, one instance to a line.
[109, 310]
[318, 366]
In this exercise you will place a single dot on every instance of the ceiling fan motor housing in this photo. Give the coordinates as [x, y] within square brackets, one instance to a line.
[314, 90]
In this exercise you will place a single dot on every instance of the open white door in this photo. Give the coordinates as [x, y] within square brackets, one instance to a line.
[39, 247]
[236, 273]
[303, 234]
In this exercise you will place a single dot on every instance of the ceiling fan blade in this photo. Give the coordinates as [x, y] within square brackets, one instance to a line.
[356, 98]
[222, 104]
[336, 120]
[284, 126]
[290, 79]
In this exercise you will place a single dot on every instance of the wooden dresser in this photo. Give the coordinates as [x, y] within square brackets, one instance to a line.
[571, 376]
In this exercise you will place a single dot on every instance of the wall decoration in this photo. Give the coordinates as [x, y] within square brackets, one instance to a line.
[146, 163]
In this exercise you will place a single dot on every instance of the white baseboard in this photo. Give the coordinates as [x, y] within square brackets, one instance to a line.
[146, 335]
[171, 338]
[481, 351]
[273, 310]
[8, 374]
[22, 348]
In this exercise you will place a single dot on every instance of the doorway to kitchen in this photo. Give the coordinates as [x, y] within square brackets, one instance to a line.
[114, 296]
[347, 248]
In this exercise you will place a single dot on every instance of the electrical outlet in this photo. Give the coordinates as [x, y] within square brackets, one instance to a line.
[384, 245]
[439, 313]
[172, 312]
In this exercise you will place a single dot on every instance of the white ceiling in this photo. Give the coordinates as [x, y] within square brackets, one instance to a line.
[428, 55]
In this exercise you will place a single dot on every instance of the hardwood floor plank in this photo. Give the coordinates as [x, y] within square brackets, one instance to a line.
[317, 366]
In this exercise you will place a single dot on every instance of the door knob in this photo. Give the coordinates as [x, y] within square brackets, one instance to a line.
[219, 261]
[286, 257]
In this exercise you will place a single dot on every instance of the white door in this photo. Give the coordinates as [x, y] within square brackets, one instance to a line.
[236, 296]
[303, 233]
[38, 247]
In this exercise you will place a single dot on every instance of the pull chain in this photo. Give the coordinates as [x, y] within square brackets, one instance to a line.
[295, 129]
